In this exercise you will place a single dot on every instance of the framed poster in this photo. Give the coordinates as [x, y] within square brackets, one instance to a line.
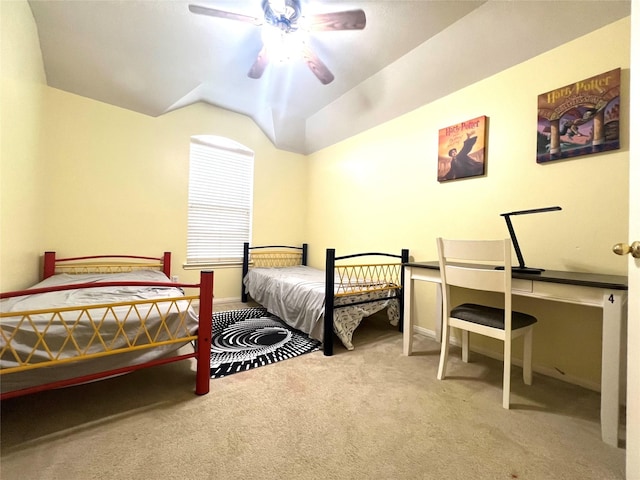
[579, 119]
[461, 150]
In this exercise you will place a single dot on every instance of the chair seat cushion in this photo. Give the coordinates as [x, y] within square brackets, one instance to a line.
[491, 316]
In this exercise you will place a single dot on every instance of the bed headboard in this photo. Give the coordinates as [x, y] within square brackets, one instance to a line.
[271, 256]
[104, 264]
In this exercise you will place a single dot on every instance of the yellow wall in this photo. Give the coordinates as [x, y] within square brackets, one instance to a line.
[82, 177]
[21, 198]
[389, 197]
[117, 181]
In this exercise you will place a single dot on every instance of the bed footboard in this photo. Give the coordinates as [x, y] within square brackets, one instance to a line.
[357, 280]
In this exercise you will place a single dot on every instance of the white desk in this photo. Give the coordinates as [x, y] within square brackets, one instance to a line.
[608, 292]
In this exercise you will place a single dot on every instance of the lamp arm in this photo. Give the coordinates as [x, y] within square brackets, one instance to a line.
[514, 240]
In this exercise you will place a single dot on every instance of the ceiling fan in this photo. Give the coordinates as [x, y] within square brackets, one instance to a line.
[283, 24]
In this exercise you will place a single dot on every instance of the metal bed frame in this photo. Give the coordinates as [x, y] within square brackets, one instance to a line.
[350, 277]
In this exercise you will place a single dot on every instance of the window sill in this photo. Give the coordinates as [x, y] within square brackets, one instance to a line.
[205, 266]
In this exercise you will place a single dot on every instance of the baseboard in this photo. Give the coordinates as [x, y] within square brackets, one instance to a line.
[549, 372]
[222, 301]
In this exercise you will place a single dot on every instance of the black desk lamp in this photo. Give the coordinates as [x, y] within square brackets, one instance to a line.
[507, 218]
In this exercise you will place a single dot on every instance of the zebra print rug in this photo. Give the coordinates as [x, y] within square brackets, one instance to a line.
[250, 338]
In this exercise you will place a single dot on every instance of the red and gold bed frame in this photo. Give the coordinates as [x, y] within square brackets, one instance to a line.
[108, 264]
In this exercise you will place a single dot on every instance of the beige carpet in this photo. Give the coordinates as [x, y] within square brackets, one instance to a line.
[367, 414]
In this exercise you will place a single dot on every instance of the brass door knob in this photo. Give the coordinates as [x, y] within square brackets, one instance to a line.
[623, 249]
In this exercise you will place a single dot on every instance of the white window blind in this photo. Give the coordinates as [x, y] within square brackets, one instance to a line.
[220, 200]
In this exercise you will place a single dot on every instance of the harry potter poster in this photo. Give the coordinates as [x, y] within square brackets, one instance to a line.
[580, 118]
[461, 150]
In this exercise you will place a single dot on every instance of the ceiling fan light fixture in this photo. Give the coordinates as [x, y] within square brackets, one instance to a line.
[282, 46]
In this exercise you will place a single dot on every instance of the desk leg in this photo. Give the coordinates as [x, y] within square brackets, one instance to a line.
[439, 313]
[407, 329]
[613, 317]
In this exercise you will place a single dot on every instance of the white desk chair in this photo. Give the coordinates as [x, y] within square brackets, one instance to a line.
[471, 264]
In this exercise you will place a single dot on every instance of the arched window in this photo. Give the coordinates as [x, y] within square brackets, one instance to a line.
[220, 200]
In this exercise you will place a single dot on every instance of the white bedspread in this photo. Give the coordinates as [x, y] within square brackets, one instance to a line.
[24, 336]
[296, 295]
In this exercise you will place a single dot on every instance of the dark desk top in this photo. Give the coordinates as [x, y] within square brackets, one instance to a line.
[613, 282]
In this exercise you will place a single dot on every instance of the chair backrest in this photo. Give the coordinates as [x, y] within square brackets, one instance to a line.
[472, 264]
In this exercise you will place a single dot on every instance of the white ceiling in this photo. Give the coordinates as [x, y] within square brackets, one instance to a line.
[156, 56]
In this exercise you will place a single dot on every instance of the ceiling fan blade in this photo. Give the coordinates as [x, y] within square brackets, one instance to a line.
[349, 20]
[212, 12]
[318, 68]
[257, 69]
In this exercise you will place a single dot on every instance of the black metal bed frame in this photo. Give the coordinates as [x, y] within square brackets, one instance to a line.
[330, 265]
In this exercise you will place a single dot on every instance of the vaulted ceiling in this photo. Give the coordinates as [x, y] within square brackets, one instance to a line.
[154, 56]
